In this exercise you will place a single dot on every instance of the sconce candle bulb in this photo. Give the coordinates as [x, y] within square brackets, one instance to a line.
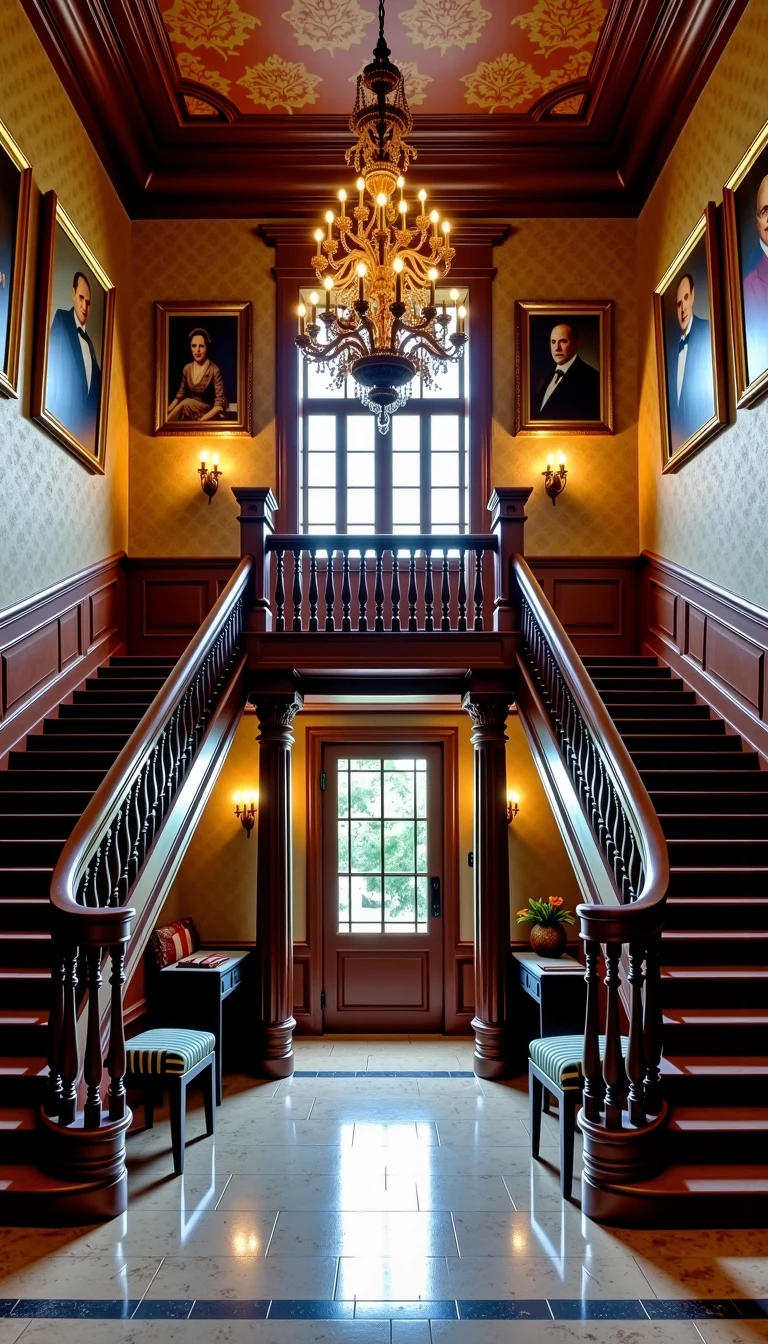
[554, 481]
[209, 480]
[513, 807]
[245, 811]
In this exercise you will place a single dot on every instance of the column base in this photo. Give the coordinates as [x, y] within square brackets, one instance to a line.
[492, 1057]
[275, 1058]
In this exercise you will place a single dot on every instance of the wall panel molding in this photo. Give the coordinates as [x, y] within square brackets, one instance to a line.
[169, 598]
[51, 641]
[717, 642]
[595, 597]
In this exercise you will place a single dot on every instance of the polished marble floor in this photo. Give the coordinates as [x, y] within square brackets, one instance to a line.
[383, 1195]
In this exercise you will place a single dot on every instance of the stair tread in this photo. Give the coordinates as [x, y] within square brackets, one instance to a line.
[21, 935]
[23, 1017]
[714, 972]
[742, 1017]
[16, 1118]
[23, 1066]
[23, 1178]
[718, 1120]
[716, 1066]
[705, 1180]
[715, 935]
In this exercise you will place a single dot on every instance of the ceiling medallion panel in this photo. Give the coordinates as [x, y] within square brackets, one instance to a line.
[457, 56]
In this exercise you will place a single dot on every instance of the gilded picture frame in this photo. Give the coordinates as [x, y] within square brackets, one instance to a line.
[74, 331]
[204, 368]
[745, 216]
[15, 197]
[692, 389]
[563, 367]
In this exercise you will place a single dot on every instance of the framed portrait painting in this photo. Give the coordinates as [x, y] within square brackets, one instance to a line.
[73, 339]
[689, 346]
[745, 212]
[15, 189]
[563, 367]
[203, 371]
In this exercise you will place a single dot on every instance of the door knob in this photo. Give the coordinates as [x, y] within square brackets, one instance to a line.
[434, 887]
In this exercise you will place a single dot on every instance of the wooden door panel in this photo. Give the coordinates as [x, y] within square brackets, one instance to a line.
[382, 980]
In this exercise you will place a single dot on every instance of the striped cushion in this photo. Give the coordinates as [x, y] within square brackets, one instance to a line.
[174, 941]
[168, 1050]
[559, 1057]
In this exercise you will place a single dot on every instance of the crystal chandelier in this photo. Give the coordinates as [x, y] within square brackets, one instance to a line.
[380, 322]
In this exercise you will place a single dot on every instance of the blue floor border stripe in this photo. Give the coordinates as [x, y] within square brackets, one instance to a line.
[382, 1073]
[464, 1309]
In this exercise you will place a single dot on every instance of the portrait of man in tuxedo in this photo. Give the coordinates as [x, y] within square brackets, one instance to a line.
[74, 376]
[570, 387]
[690, 379]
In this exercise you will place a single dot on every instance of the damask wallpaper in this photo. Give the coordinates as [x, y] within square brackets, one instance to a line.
[196, 259]
[710, 515]
[570, 259]
[57, 518]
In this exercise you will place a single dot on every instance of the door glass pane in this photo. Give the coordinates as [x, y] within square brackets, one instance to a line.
[382, 847]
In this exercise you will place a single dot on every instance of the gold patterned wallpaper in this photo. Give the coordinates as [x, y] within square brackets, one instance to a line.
[196, 259]
[570, 259]
[710, 515]
[470, 56]
[57, 517]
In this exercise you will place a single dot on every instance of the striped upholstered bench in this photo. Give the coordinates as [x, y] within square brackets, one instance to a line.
[173, 1056]
[554, 1066]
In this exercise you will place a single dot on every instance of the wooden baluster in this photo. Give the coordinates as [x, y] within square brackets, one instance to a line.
[445, 596]
[280, 590]
[70, 1060]
[88, 894]
[92, 1066]
[478, 594]
[55, 1032]
[613, 1064]
[313, 590]
[652, 1028]
[362, 595]
[330, 596]
[462, 594]
[429, 593]
[635, 1052]
[413, 593]
[297, 593]
[378, 593]
[135, 858]
[592, 1064]
[160, 769]
[395, 592]
[116, 1052]
[346, 594]
[152, 795]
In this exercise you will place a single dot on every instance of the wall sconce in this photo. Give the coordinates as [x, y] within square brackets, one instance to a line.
[554, 481]
[209, 480]
[245, 811]
[513, 807]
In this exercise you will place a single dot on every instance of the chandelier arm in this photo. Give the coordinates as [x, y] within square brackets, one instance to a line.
[430, 346]
[321, 354]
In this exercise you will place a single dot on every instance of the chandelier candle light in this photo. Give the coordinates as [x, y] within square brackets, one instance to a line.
[379, 323]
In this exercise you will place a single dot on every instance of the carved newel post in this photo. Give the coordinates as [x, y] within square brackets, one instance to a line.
[274, 894]
[491, 875]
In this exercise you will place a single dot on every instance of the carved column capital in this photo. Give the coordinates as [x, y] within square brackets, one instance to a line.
[488, 711]
[277, 712]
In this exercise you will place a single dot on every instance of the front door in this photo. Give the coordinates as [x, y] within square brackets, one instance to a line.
[383, 888]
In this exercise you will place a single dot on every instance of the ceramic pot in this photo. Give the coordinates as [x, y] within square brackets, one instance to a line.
[549, 940]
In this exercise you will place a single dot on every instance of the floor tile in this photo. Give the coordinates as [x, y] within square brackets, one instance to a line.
[411, 1332]
[564, 1332]
[311, 1310]
[541, 1277]
[83, 1276]
[499, 1133]
[525, 1233]
[390, 1278]
[208, 1332]
[402, 1311]
[732, 1332]
[245, 1277]
[375, 1234]
[11, 1330]
[74, 1308]
[315, 1193]
[705, 1276]
[459, 1193]
[219, 1310]
[162, 1233]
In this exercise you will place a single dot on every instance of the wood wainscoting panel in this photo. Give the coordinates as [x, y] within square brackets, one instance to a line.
[464, 976]
[169, 598]
[595, 598]
[51, 641]
[302, 1002]
[372, 980]
[717, 642]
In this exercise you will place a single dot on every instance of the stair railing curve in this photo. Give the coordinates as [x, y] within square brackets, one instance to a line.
[106, 851]
[619, 1092]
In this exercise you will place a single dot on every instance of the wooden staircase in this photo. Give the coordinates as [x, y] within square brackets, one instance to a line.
[43, 792]
[711, 797]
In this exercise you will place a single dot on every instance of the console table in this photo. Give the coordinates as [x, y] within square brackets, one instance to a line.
[558, 988]
[193, 996]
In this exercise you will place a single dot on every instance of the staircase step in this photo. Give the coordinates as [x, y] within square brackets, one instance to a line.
[741, 802]
[728, 947]
[18, 1133]
[24, 912]
[719, 1031]
[694, 1080]
[709, 852]
[87, 708]
[715, 782]
[25, 987]
[51, 761]
[693, 826]
[118, 686]
[666, 728]
[29, 853]
[648, 680]
[22, 1078]
[53, 744]
[37, 826]
[141, 660]
[708, 758]
[622, 660]
[23, 1031]
[677, 709]
[727, 986]
[135, 674]
[56, 781]
[58, 802]
[116, 698]
[710, 881]
[22, 947]
[720, 1134]
[714, 744]
[661, 698]
[86, 729]
[696, 1195]
[717, 912]
[26, 881]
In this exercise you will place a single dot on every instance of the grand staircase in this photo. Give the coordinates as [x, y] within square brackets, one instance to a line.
[42, 794]
[711, 796]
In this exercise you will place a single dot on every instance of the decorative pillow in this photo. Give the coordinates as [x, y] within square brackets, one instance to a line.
[174, 941]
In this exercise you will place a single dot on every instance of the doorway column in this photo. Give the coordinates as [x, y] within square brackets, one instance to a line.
[274, 890]
[488, 712]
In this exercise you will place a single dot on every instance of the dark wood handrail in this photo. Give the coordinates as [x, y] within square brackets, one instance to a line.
[382, 541]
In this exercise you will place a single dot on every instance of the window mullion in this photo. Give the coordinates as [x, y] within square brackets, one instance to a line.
[341, 472]
[383, 467]
[425, 475]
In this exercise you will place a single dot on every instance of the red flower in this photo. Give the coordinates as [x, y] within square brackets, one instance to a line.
[557, 901]
[524, 911]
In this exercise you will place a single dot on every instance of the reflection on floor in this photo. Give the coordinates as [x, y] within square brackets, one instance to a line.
[371, 1210]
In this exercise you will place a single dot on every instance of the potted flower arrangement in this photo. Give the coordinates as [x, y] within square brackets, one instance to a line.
[547, 920]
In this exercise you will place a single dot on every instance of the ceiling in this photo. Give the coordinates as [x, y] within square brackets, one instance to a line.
[521, 107]
[460, 56]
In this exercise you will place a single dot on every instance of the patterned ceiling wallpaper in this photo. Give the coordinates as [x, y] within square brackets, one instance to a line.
[56, 517]
[570, 259]
[709, 516]
[478, 56]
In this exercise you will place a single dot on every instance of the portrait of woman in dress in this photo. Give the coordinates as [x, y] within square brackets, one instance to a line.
[201, 393]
